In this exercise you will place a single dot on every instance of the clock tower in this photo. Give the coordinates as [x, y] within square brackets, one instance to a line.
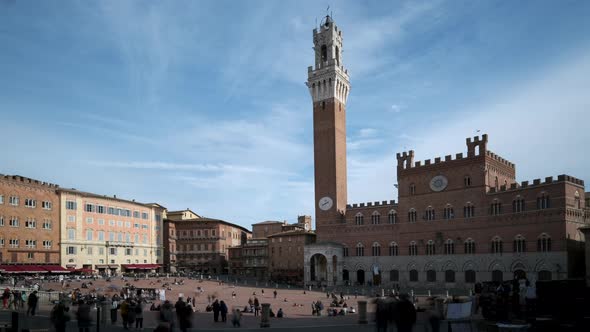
[329, 86]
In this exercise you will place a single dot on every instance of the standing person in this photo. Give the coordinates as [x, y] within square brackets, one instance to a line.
[131, 314]
[32, 303]
[216, 309]
[184, 319]
[124, 313]
[237, 317]
[256, 306]
[381, 315]
[23, 299]
[166, 315]
[83, 316]
[114, 307]
[139, 315]
[223, 311]
[179, 306]
[59, 317]
[5, 298]
[275, 293]
[405, 314]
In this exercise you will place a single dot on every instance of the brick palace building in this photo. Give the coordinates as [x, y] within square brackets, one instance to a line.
[459, 219]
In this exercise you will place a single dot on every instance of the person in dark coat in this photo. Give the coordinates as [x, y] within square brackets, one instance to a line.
[59, 317]
[131, 314]
[223, 311]
[184, 318]
[216, 309]
[83, 316]
[256, 306]
[32, 303]
[405, 314]
[166, 315]
[381, 315]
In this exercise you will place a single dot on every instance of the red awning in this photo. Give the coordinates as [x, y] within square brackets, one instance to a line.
[55, 268]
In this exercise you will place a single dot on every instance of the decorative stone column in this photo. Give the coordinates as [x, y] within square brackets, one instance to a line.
[264, 321]
[363, 312]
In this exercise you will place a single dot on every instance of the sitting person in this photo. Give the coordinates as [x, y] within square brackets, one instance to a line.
[153, 307]
[271, 313]
[344, 305]
[280, 313]
[341, 312]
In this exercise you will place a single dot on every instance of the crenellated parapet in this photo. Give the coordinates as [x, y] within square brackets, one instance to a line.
[371, 204]
[538, 183]
[500, 159]
[477, 146]
[17, 179]
[405, 159]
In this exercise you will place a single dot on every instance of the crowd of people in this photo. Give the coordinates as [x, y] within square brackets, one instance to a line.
[15, 300]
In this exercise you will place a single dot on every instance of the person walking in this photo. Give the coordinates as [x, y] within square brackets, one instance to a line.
[223, 311]
[139, 315]
[114, 308]
[5, 298]
[216, 309]
[59, 317]
[275, 293]
[83, 316]
[256, 306]
[32, 303]
[131, 314]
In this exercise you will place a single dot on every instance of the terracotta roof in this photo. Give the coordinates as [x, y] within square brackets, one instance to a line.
[268, 222]
[293, 232]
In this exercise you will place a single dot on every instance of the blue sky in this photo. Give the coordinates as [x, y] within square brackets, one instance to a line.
[203, 104]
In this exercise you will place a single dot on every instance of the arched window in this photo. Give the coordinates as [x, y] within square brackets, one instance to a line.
[518, 204]
[497, 245]
[448, 212]
[430, 248]
[337, 56]
[376, 249]
[413, 249]
[577, 203]
[544, 243]
[360, 249]
[412, 215]
[324, 53]
[412, 189]
[429, 213]
[519, 245]
[375, 218]
[543, 201]
[467, 181]
[414, 275]
[431, 276]
[392, 217]
[469, 246]
[393, 249]
[359, 219]
[449, 247]
[345, 251]
[495, 207]
[449, 276]
[470, 276]
[468, 210]
[394, 275]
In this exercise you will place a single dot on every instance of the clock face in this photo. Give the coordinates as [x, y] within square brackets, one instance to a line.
[325, 203]
[439, 183]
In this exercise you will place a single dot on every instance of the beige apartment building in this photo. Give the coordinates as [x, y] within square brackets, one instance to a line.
[110, 234]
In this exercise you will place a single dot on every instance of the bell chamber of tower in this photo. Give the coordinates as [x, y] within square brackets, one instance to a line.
[329, 86]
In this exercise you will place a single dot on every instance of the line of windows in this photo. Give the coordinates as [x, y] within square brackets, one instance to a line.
[448, 247]
[29, 244]
[101, 209]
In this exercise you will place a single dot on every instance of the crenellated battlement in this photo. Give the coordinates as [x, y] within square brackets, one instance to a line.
[500, 159]
[371, 204]
[537, 183]
[24, 180]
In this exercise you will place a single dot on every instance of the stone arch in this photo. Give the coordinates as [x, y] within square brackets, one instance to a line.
[470, 265]
[413, 266]
[360, 266]
[519, 265]
[431, 265]
[496, 265]
[542, 265]
[449, 265]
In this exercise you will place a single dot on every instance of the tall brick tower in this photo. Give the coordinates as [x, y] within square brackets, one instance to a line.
[329, 86]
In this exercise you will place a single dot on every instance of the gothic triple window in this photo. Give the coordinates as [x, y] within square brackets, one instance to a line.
[412, 189]
[544, 243]
[519, 245]
[495, 208]
[376, 249]
[393, 249]
[497, 245]
[429, 213]
[412, 215]
[430, 248]
[468, 210]
[469, 245]
[360, 249]
[376, 218]
[392, 217]
[359, 219]
[518, 204]
[543, 201]
[448, 212]
[344, 251]
[449, 247]
[413, 249]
